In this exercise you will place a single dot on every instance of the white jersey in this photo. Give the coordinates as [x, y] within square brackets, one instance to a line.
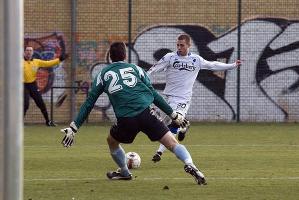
[181, 72]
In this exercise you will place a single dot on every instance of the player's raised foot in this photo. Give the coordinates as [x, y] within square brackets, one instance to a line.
[157, 157]
[182, 133]
[197, 175]
[50, 123]
[118, 176]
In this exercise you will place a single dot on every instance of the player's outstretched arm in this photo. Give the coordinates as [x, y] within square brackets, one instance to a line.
[161, 65]
[219, 66]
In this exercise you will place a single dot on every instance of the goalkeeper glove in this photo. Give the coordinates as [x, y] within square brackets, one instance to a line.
[69, 136]
[179, 119]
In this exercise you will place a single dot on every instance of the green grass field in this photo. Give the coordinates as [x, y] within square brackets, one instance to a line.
[240, 161]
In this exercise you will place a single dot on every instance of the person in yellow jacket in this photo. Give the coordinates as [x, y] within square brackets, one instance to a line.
[31, 66]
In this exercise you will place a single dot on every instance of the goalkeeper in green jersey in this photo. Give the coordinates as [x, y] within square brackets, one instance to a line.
[131, 94]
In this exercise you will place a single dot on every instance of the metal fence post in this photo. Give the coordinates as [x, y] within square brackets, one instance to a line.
[239, 57]
[52, 106]
[129, 30]
[74, 56]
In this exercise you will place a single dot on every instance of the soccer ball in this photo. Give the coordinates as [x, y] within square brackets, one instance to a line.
[133, 160]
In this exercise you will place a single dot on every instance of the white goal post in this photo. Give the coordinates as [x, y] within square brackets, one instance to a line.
[11, 100]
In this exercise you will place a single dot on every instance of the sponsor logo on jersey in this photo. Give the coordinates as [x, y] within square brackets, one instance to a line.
[183, 66]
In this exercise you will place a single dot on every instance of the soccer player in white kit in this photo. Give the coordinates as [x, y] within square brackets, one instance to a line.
[181, 69]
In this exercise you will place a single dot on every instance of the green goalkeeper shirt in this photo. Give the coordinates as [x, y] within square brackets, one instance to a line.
[128, 88]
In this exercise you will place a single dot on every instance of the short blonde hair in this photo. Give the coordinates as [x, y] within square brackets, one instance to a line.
[186, 37]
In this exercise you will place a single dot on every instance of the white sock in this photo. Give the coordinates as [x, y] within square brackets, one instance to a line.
[161, 148]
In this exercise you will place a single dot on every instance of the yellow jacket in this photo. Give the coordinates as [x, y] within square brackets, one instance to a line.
[31, 67]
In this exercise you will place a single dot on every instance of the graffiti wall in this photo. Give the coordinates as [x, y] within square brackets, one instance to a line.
[268, 76]
[269, 50]
[48, 47]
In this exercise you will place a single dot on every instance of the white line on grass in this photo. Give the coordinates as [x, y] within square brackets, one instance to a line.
[160, 178]
[189, 145]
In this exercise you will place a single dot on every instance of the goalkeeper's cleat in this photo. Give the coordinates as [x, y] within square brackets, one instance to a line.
[197, 175]
[50, 123]
[118, 176]
[182, 133]
[157, 157]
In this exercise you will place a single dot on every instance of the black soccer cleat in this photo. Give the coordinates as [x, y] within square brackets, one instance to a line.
[50, 123]
[118, 176]
[157, 157]
[197, 175]
[182, 133]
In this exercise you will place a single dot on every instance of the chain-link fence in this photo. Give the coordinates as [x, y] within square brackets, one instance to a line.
[264, 34]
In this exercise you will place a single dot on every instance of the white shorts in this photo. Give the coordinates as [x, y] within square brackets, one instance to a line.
[177, 104]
